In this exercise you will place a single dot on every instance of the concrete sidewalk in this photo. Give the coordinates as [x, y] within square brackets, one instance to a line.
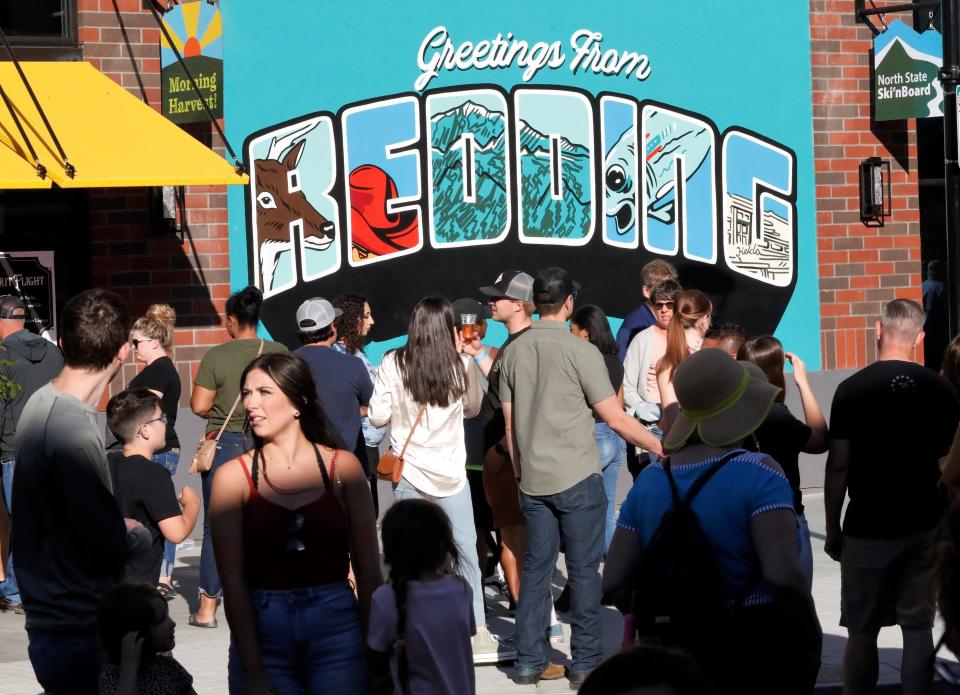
[204, 652]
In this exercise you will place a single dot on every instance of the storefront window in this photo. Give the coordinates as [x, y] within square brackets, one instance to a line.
[41, 29]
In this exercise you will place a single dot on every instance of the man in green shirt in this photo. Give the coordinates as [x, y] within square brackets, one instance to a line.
[549, 382]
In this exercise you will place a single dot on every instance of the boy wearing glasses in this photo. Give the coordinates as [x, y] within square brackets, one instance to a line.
[143, 489]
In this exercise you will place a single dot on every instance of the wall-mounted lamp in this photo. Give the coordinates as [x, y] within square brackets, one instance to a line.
[874, 191]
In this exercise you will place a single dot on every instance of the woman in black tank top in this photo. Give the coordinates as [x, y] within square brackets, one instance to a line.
[285, 519]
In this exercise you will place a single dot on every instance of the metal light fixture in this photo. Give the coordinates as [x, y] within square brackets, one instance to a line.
[874, 191]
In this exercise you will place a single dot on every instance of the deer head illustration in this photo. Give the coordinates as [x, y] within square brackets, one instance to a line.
[282, 207]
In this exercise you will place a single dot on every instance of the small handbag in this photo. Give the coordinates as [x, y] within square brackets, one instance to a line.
[390, 466]
[207, 448]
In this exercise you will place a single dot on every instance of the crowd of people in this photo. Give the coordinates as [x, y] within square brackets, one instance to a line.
[499, 457]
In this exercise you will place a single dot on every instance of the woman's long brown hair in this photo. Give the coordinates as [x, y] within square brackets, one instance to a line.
[429, 364]
[689, 307]
[766, 352]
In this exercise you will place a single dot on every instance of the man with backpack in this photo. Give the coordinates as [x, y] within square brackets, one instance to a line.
[705, 554]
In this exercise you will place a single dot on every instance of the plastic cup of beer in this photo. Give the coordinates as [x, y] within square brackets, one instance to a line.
[469, 324]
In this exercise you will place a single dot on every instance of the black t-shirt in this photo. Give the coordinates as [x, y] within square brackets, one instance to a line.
[782, 438]
[145, 492]
[899, 418]
[160, 375]
[615, 370]
[496, 427]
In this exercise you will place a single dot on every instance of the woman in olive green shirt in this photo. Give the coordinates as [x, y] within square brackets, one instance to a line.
[215, 390]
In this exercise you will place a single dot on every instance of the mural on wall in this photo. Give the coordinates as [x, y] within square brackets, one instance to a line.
[515, 150]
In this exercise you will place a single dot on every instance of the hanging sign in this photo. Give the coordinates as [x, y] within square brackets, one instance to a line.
[905, 67]
[197, 32]
[29, 275]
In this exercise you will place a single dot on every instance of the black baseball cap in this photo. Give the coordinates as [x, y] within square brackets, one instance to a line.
[470, 306]
[554, 285]
[12, 307]
[514, 284]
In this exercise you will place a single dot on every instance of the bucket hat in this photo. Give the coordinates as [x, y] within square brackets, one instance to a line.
[720, 399]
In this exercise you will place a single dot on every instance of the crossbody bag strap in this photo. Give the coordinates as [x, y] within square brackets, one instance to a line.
[410, 435]
[236, 402]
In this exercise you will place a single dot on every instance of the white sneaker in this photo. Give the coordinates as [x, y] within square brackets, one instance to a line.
[490, 649]
[495, 577]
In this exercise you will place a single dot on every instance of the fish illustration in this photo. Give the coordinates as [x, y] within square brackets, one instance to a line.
[665, 139]
[618, 184]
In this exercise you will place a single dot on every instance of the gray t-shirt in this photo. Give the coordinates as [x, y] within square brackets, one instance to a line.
[69, 536]
[550, 376]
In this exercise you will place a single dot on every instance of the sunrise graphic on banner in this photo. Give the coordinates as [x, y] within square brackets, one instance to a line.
[196, 31]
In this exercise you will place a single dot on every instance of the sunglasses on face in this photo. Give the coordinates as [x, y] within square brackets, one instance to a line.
[136, 341]
[663, 305]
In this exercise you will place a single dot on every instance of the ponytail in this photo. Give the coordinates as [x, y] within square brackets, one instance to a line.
[691, 306]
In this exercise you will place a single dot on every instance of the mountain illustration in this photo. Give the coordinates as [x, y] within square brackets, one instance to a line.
[569, 216]
[487, 218]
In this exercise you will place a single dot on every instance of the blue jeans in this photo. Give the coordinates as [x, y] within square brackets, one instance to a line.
[169, 460]
[805, 547]
[576, 516]
[231, 445]
[9, 589]
[459, 509]
[65, 663]
[310, 641]
[613, 452]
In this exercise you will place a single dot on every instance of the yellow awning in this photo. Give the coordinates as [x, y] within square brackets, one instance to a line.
[110, 136]
[16, 171]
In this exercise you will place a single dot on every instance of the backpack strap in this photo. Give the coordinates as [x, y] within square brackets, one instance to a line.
[699, 483]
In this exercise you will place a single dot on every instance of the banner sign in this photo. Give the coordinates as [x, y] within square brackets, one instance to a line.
[197, 32]
[456, 145]
[29, 275]
[906, 65]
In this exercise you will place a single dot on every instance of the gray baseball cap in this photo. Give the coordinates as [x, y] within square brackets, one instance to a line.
[12, 307]
[316, 314]
[514, 284]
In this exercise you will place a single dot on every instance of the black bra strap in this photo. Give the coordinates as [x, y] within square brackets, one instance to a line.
[323, 468]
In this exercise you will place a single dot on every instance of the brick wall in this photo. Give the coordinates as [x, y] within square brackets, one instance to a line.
[187, 268]
[860, 267]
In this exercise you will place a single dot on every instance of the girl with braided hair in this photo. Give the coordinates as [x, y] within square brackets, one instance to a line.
[422, 621]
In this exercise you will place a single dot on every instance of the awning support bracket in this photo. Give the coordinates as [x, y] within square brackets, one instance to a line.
[70, 170]
[41, 170]
[237, 164]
